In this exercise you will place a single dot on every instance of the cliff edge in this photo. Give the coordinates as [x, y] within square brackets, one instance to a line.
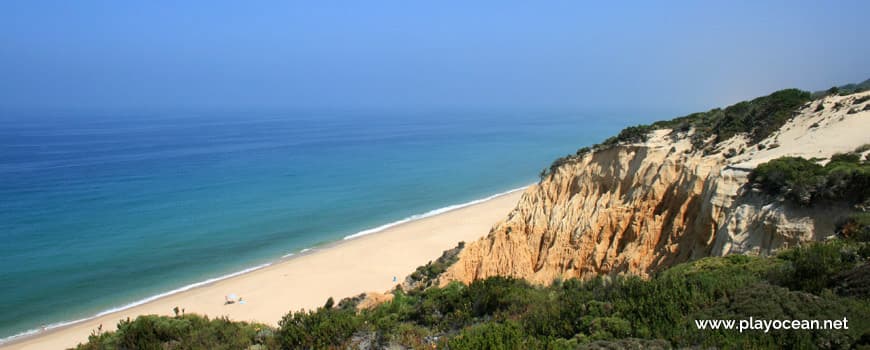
[671, 192]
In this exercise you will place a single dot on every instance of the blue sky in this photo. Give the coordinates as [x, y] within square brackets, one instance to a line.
[656, 57]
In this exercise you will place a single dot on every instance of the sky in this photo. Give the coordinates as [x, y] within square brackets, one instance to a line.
[573, 56]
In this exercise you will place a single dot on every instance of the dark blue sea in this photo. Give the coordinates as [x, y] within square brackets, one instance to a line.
[98, 212]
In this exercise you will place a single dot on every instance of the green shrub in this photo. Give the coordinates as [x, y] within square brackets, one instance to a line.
[496, 294]
[846, 157]
[583, 150]
[812, 268]
[182, 332]
[855, 227]
[843, 90]
[794, 177]
[424, 276]
[631, 134]
[605, 328]
[443, 308]
[844, 178]
[495, 336]
[323, 328]
[556, 164]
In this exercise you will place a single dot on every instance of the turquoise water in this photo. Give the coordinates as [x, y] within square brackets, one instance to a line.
[97, 212]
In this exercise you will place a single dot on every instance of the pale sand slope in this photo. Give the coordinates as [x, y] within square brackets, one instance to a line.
[364, 264]
[815, 133]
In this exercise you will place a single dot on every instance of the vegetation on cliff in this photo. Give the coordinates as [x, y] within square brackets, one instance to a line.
[844, 90]
[828, 280]
[179, 332]
[425, 276]
[846, 178]
[757, 118]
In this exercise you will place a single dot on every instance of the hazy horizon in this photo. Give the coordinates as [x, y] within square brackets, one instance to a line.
[166, 57]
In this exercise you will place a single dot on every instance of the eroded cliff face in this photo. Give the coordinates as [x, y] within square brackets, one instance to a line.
[642, 207]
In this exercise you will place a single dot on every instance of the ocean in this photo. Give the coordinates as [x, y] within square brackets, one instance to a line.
[100, 212]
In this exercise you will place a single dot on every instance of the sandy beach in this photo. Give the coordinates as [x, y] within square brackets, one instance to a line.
[347, 268]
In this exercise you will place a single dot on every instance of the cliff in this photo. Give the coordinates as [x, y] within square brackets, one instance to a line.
[675, 194]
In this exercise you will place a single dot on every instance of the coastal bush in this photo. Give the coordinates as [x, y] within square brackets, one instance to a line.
[759, 117]
[631, 134]
[583, 150]
[424, 276]
[845, 178]
[812, 268]
[497, 294]
[556, 164]
[443, 308]
[323, 328]
[826, 280]
[494, 336]
[855, 227]
[843, 90]
[849, 89]
[181, 332]
[794, 177]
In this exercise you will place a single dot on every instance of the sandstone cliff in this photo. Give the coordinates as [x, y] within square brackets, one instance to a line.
[638, 207]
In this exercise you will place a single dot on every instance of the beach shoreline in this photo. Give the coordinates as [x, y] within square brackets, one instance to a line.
[331, 270]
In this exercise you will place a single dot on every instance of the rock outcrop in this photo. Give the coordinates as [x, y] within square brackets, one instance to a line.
[637, 208]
